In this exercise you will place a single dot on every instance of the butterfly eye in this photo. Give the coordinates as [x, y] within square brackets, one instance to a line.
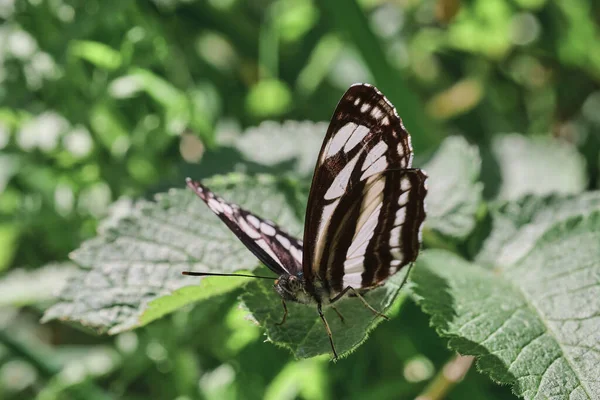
[276, 282]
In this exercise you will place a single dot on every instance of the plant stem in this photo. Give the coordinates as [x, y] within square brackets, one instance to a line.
[450, 375]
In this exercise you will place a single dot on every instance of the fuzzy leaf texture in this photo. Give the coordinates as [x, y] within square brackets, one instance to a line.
[535, 322]
[303, 332]
[454, 190]
[131, 273]
[272, 144]
[537, 165]
[516, 226]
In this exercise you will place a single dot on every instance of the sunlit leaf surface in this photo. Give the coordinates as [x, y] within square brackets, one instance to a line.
[131, 274]
[539, 166]
[534, 323]
[303, 332]
[516, 226]
[454, 190]
[272, 143]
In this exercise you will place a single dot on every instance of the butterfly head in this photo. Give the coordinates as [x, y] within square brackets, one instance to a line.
[291, 287]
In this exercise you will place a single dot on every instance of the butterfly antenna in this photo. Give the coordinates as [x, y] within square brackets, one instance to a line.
[192, 273]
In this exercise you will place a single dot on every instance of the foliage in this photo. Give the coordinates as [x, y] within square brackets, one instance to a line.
[105, 108]
[135, 267]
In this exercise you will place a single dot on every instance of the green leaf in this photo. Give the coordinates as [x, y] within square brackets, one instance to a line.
[482, 27]
[294, 19]
[306, 379]
[533, 324]
[110, 129]
[9, 167]
[537, 165]
[322, 57]
[132, 270]
[269, 97]
[158, 89]
[303, 332]
[97, 53]
[22, 287]
[9, 235]
[180, 108]
[272, 143]
[454, 192]
[516, 226]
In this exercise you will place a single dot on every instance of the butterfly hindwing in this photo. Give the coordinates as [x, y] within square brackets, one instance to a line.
[366, 206]
[388, 237]
[280, 252]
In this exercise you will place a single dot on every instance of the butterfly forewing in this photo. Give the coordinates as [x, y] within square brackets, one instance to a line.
[366, 206]
[280, 252]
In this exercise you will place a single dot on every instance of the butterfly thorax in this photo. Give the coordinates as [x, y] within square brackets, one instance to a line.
[294, 288]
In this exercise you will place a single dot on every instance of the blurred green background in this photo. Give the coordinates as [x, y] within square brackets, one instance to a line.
[102, 100]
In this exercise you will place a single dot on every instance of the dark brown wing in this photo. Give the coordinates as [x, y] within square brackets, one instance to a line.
[366, 205]
[280, 252]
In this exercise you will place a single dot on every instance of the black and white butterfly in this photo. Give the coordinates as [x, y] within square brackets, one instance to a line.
[364, 215]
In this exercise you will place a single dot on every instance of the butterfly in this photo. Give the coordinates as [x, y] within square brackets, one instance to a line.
[364, 214]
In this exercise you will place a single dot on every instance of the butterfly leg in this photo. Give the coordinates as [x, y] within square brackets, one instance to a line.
[338, 313]
[335, 356]
[355, 293]
[285, 312]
